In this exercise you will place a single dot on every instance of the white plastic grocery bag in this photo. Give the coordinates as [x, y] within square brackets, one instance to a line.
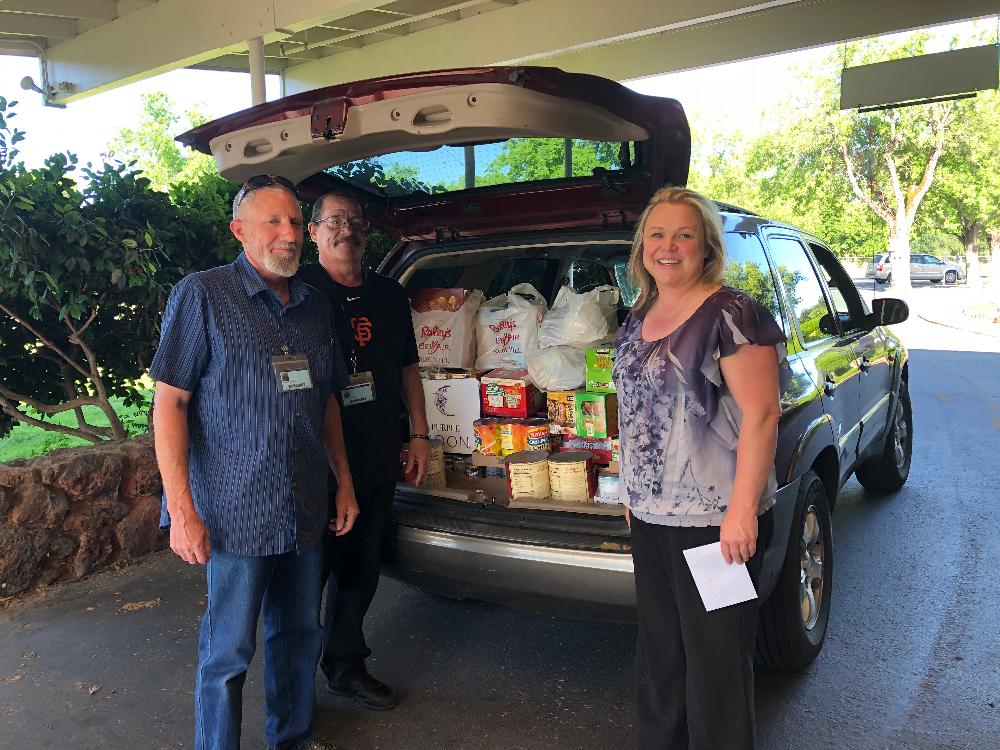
[507, 327]
[558, 368]
[582, 320]
[444, 323]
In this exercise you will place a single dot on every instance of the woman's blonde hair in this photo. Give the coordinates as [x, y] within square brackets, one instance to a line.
[712, 224]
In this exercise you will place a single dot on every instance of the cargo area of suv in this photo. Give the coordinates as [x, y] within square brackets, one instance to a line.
[438, 160]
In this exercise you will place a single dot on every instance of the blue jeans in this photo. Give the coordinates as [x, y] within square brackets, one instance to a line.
[287, 588]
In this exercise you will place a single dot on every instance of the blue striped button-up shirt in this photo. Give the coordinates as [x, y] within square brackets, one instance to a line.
[257, 465]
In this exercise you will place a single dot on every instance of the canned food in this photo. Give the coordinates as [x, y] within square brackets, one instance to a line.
[570, 476]
[435, 461]
[528, 475]
[511, 437]
[487, 436]
[536, 435]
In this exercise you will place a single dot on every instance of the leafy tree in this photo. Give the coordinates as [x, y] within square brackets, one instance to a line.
[964, 201]
[84, 274]
[527, 159]
[152, 148]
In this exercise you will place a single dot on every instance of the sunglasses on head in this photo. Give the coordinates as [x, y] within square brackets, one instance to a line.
[262, 181]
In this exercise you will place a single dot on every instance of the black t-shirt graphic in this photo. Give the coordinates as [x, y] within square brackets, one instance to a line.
[375, 327]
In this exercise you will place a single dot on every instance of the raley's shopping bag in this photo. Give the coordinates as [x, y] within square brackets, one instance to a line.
[507, 328]
[444, 323]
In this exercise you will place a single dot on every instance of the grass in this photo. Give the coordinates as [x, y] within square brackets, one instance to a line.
[28, 441]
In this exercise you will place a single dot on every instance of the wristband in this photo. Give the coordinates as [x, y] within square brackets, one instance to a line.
[417, 436]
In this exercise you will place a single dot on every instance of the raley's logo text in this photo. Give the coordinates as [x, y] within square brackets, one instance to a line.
[507, 324]
[430, 332]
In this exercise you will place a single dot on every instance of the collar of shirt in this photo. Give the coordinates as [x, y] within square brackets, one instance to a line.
[254, 284]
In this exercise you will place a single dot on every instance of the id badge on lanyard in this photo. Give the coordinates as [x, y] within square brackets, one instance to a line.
[360, 385]
[292, 372]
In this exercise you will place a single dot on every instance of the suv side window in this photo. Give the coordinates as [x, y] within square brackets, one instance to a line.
[846, 300]
[747, 269]
[802, 286]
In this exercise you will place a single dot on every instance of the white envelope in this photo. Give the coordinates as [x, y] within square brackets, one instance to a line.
[719, 584]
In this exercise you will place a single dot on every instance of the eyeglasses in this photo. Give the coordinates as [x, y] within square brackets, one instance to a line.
[262, 181]
[339, 222]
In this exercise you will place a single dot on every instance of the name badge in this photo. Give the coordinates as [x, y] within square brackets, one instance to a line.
[292, 372]
[360, 389]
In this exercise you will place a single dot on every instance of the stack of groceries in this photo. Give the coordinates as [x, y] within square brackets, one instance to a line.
[520, 398]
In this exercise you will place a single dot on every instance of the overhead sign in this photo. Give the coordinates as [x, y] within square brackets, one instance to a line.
[920, 80]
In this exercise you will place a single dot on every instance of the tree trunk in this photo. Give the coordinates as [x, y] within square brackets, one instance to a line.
[993, 233]
[970, 240]
[899, 256]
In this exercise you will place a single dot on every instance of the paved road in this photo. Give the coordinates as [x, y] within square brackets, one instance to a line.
[910, 659]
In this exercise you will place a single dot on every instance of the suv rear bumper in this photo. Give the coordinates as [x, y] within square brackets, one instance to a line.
[536, 579]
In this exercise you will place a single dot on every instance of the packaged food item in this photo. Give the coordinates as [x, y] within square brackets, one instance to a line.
[444, 324]
[607, 488]
[599, 364]
[511, 437]
[596, 415]
[561, 408]
[536, 435]
[571, 476]
[600, 448]
[509, 393]
[487, 436]
[528, 475]
[489, 467]
[452, 407]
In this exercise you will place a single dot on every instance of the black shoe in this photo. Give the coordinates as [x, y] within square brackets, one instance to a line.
[316, 743]
[370, 693]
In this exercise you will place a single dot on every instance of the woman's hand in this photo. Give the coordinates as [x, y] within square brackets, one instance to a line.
[738, 536]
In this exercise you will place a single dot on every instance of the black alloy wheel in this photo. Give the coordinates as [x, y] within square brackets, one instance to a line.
[793, 620]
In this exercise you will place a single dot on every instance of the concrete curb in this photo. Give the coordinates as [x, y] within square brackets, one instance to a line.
[964, 323]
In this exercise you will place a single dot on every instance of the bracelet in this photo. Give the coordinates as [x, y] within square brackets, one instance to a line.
[416, 436]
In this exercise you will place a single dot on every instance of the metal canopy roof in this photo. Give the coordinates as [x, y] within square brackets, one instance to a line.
[92, 45]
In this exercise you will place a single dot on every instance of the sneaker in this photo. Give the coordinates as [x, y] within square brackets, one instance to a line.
[317, 743]
[370, 693]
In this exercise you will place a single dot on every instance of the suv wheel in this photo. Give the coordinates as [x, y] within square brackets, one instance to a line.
[950, 277]
[793, 619]
[888, 471]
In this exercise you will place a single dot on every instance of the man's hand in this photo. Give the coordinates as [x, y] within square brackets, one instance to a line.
[417, 458]
[738, 535]
[347, 511]
[189, 539]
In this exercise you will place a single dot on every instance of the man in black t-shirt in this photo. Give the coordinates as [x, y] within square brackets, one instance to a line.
[376, 335]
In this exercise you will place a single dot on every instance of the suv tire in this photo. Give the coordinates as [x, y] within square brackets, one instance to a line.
[793, 619]
[888, 471]
[950, 277]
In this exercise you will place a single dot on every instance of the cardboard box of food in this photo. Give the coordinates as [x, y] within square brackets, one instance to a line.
[561, 407]
[596, 415]
[599, 364]
[452, 407]
[509, 393]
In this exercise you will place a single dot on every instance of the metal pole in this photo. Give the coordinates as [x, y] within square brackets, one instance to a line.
[257, 91]
[568, 157]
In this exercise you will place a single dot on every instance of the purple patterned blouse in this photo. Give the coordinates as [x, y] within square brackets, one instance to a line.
[678, 422]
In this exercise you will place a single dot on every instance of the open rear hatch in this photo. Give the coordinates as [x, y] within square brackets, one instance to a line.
[465, 152]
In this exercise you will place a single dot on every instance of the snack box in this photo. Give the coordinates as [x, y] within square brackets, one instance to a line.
[561, 408]
[599, 364]
[509, 393]
[596, 415]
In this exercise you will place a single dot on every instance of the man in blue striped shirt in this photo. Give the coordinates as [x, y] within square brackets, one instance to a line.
[245, 413]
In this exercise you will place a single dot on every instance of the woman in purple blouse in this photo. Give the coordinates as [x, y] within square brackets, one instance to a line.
[697, 377]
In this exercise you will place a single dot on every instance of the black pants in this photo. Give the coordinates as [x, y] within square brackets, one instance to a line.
[351, 568]
[694, 669]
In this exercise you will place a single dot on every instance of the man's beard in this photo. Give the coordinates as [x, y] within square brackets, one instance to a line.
[281, 264]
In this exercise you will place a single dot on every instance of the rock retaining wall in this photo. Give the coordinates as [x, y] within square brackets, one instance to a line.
[75, 511]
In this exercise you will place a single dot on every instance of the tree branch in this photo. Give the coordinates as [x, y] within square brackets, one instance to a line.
[940, 124]
[20, 416]
[47, 408]
[855, 185]
[25, 324]
[118, 431]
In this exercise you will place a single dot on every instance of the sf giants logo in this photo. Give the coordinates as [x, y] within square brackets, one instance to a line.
[362, 330]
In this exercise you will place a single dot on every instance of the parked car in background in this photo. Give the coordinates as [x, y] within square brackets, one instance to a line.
[923, 267]
[441, 161]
